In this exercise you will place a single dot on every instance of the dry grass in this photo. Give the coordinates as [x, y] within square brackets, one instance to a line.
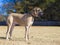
[39, 35]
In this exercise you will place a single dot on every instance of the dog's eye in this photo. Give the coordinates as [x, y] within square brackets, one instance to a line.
[38, 10]
[33, 10]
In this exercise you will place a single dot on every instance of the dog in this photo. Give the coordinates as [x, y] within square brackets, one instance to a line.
[25, 20]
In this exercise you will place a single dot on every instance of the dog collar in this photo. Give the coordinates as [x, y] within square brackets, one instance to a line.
[32, 16]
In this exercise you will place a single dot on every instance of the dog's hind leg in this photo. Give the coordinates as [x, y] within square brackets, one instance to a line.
[11, 30]
[9, 22]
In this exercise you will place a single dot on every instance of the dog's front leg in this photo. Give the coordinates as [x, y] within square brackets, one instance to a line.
[27, 33]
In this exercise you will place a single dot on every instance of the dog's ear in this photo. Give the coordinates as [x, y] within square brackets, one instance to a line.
[31, 8]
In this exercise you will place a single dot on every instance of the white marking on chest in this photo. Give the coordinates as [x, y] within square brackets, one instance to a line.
[31, 22]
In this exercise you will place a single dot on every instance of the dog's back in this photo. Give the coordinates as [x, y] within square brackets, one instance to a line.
[22, 19]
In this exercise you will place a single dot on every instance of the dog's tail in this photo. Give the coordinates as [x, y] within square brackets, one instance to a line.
[11, 11]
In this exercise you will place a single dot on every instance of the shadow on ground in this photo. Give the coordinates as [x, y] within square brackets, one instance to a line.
[3, 38]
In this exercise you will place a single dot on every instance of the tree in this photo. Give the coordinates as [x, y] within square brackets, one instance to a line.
[53, 11]
[51, 8]
[2, 18]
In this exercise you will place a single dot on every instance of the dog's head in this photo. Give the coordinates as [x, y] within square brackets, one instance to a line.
[37, 12]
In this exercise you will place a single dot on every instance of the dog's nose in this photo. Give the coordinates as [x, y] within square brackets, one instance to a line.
[41, 14]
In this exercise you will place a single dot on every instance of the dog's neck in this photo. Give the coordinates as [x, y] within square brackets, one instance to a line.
[32, 15]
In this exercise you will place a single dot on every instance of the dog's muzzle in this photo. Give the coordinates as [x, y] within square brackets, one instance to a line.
[40, 14]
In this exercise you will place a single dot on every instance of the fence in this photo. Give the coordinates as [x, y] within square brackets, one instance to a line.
[40, 23]
[47, 23]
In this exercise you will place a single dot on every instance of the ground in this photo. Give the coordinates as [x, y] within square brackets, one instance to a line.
[39, 35]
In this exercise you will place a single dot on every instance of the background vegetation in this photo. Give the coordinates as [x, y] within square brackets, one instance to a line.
[51, 8]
